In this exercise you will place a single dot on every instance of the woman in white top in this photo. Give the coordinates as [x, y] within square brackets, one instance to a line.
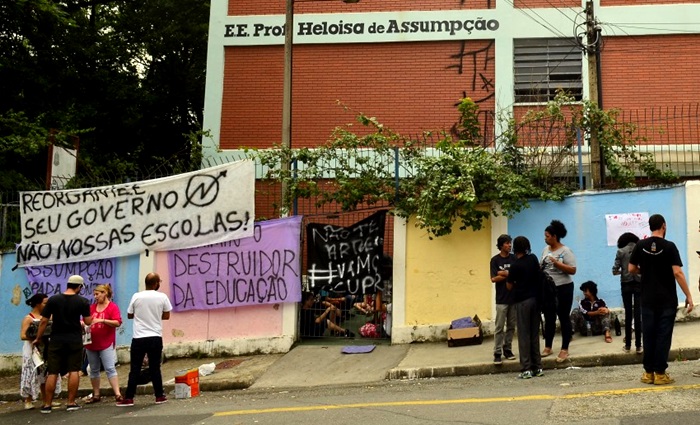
[560, 263]
[32, 378]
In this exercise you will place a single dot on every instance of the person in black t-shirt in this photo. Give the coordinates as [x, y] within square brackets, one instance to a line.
[505, 311]
[523, 283]
[65, 353]
[659, 262]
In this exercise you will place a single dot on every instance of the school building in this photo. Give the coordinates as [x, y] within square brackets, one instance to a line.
[408, 63]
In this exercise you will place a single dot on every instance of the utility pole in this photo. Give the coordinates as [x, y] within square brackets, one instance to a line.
[592, 46]
[287, 101]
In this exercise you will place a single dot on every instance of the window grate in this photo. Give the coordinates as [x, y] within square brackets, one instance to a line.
[544, 66]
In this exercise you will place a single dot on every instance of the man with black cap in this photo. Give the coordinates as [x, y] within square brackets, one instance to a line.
[505, 310]
[65, 353]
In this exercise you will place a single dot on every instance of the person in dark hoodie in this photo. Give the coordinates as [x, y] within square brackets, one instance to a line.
[631, 286]
[524, 282]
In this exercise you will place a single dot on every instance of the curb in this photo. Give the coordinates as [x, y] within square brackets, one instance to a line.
[147, 390]
[621, 359]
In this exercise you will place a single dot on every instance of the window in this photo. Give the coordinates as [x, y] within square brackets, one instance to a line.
[545, 65]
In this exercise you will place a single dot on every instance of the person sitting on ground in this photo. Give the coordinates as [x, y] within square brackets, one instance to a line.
[315, 325]
[366, 306]
[592, 313]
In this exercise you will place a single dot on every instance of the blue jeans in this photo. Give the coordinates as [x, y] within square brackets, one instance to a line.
[106, 358]
[657, 331]
[153, 346]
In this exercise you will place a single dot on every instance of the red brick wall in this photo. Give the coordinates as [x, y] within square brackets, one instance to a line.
[639, 72]
[409, 87]
[651, 79]
[643, 2]
[276, 7]
[542, 134]
[532, 4]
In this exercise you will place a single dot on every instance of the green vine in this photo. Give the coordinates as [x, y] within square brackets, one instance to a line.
[445, 180]
[619, 145]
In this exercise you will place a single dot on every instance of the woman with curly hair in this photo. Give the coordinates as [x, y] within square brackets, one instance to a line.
[560, 263]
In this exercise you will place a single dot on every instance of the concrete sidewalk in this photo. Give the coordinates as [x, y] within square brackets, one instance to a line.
[324, 364]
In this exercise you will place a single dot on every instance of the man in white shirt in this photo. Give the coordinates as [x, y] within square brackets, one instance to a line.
[148, 309]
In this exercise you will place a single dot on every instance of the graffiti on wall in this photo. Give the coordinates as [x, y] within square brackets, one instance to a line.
[51, 280]
[473, 65]
[347, 259]
[462, 3]
[480, 87]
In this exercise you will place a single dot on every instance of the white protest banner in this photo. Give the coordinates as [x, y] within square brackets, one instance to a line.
[203, 207]
[617, 224]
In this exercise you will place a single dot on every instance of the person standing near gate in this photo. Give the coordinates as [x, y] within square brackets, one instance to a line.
[658, 261]
[505, 310]
[148, 309]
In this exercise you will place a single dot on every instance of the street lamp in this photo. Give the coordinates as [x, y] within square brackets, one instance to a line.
[287, 88]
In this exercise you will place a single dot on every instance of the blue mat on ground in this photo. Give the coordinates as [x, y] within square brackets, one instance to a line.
[358, 349]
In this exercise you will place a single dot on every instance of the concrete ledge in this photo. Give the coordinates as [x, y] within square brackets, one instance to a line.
[678, 354]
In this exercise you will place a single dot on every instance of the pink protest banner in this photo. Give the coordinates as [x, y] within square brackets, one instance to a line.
[261, 269]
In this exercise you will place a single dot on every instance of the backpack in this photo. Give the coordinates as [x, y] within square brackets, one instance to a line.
[371, 330]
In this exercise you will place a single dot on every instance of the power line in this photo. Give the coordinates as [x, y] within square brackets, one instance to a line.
[560, 11]
[669, 30]
[546, 25]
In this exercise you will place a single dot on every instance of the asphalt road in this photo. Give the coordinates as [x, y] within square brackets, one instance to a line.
[601, 396]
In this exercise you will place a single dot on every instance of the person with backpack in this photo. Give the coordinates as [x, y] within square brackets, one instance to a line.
[631, 286]
[523, 283]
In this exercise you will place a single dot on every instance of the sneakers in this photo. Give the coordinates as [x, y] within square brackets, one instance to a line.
[162, 399]
[509, 355]
[538, 373]
[647, 378]
[349, 334]
[127, 402]
[73, 407]
[663, 379]
[497, 359]
[696, 373]
[639, 350]
[45, 409]
[525, 375]
[626, 348]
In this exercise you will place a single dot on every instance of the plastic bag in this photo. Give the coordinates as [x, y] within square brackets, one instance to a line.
[206, 369]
